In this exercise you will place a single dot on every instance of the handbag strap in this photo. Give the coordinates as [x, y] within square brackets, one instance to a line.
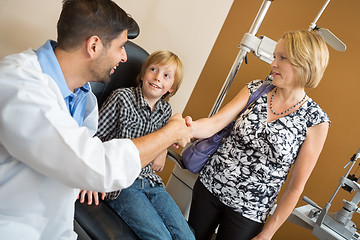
[263, 89]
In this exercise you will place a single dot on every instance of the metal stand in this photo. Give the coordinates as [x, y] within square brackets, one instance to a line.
[326, 34]
[262, 47]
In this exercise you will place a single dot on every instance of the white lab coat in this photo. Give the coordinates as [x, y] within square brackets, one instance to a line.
[45, 158]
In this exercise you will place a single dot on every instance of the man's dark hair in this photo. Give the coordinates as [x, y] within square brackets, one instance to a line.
[81, 19]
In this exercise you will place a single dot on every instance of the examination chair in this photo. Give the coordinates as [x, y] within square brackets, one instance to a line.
[100, 222]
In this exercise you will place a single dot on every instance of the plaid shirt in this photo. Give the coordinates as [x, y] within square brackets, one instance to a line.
[126, 114]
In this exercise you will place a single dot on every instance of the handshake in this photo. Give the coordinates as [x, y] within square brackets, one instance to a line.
[180, 129]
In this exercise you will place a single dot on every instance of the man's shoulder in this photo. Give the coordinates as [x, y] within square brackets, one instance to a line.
[24, 64]
[24, 60]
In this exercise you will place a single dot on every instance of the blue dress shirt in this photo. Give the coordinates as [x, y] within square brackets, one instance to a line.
[75, 101]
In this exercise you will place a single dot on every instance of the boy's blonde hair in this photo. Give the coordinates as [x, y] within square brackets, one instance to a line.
[309, 54]
[163, 58]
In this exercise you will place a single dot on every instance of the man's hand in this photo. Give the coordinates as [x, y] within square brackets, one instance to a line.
[89, 197]
[179, 127]
[152, 144]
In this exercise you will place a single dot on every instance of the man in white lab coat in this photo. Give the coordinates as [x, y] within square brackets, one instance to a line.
[48, 116]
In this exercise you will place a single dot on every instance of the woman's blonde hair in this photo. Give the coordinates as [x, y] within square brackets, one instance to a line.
[309, 54]
[163, 58]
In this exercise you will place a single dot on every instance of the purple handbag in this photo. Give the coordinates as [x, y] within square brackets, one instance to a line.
[196, 155]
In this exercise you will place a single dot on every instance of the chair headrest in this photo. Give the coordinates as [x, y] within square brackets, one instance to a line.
[133, 32]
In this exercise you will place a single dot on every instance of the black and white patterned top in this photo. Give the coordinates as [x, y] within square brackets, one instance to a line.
[126, 114]
[249, 168]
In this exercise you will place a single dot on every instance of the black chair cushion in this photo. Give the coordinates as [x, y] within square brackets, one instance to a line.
[102, 223]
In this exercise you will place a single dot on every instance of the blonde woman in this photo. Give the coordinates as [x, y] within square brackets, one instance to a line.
[239, 185]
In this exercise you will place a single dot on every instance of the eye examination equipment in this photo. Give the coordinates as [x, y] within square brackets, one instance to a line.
[327, 35]
[262, 47]
[328, 226]
[181, 181]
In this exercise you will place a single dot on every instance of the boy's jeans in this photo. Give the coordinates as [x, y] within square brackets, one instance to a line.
[151, 212]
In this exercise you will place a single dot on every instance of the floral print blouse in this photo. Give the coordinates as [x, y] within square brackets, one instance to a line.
[249, 168]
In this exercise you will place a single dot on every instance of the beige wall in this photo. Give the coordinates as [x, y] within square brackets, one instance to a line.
[25, 24]
[337, 94]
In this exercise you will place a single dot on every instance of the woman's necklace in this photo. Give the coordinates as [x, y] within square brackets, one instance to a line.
[271, 104]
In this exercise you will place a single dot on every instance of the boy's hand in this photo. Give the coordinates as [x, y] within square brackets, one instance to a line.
[89, 197]
[159, 162]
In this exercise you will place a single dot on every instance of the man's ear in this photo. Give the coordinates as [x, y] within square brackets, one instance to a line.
[94, 46]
